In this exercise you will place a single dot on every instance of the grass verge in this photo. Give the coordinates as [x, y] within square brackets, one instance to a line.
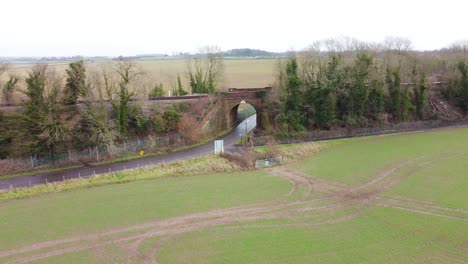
[33, 172]
[208, 164]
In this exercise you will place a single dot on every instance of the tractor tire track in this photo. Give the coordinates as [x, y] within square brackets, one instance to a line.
[338, 196]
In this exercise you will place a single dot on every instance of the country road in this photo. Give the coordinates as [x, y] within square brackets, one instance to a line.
[84, 172]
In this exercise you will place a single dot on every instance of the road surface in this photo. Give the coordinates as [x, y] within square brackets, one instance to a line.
[84, 172]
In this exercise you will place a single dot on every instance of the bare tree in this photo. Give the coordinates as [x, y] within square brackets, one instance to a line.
[398, 44]
[96, 128]
[396, 48]
[460, 47]
[334, 45]
[3, 68]
[9, 88]
[205, 70]
[121, 88]
[310, 60]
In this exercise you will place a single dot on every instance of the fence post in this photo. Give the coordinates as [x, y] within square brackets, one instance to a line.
[97, 153]
[69, 155]
[32, 162]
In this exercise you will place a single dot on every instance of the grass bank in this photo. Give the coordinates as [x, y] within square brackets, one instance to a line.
[208, 164]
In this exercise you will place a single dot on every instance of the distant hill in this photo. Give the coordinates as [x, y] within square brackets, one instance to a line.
[246, 53]
[252, 53]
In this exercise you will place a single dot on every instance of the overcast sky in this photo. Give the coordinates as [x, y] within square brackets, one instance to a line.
[129, 27]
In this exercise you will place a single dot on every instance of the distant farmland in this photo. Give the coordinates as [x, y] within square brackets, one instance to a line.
[238, 73]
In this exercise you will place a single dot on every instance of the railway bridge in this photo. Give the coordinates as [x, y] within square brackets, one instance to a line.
[221, 117]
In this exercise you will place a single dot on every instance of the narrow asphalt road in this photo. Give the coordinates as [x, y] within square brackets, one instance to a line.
[85, 172]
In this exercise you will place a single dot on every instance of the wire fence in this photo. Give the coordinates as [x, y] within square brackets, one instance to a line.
[136, 147]
[359, 132]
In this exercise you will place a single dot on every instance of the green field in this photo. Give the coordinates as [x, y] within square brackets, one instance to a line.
[354, 162]
[386, 199]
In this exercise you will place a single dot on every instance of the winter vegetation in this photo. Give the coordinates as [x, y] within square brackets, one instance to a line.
[347, 83]
[333, 84]
[92, 110]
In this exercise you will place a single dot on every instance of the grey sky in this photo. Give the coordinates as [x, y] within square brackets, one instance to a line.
[117, 27]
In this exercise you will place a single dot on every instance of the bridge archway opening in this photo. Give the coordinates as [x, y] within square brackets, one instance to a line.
[241, 112]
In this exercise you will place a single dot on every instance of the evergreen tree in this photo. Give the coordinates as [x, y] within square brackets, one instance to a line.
[127, 73]
[123, 109]
[337, 90]
[48, 128]
[158, 91]
[325, 108]
[359, 90]
[463, 68]
[395, 93]
[76, 83]
[376, 103]
[291, 116]
[405, 105]
[319, 98]
[36, 105]
[180, 88]
[420, 94]
[56, 127]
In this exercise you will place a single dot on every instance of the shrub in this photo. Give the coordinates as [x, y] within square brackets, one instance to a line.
[157, 91]
[136, 120]
[271, 149]
[244, 159]
[158, 124]
[172, 117]
[188, 128]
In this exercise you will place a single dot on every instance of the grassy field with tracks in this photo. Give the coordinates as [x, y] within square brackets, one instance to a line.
[385, 199]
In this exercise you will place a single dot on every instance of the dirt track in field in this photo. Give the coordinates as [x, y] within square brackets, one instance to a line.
[337, 203]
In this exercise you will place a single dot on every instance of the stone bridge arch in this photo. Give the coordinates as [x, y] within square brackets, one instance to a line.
[222, 117]
[233, 98]
[232, 106]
